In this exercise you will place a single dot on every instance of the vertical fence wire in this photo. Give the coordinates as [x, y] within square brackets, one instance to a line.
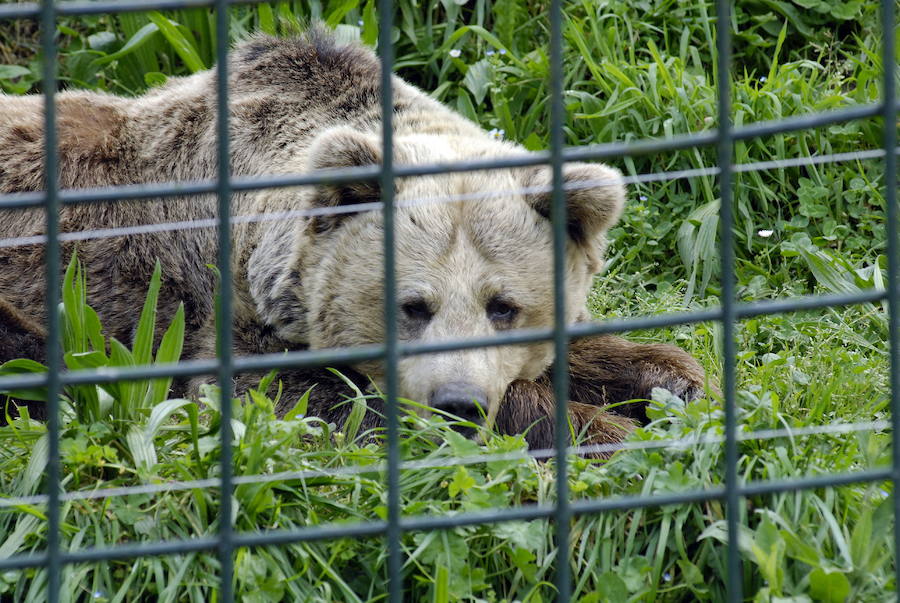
[889, 112]
[563, 515]
[52, 296]
[726, 219]
[393, 533]
[223, 323]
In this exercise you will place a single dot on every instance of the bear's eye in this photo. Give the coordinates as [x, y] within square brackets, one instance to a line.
[417, 310]
[500, 310]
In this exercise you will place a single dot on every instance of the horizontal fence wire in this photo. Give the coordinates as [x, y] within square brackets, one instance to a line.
[327, 357]
[424, 522]
[701, 439]
[667, 176]
[730, 311]
[357, 174]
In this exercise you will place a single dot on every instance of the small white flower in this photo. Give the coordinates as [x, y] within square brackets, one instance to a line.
[360, 22]
[489, 52]
[497, 134]
[765, 233]
[708, 120]
[643, 197]
[763, 79]
[502, 51]
[455, 53]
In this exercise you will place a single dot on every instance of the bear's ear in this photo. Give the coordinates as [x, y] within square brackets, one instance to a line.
[594, 193]
[339, 148]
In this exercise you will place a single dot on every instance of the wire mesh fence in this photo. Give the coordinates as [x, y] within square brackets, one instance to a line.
[225, 366]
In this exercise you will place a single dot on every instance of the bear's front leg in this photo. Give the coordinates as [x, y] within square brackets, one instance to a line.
[529, 407]
[603, 370]
[606, 369]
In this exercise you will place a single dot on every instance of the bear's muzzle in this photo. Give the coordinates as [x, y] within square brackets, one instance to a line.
[463, 400]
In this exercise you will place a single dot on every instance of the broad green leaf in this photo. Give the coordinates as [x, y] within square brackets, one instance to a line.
[796, 548]
[828, 586]
[102, 40]
[172, 342]
[143, 338]
[141, 447]
[773, 69]
[461, 445]
[183, 47]
[610, 587]
[266, 382]
[370, 24]
[461, 482]
[696, 240]
[300, 407]
[478, 79]
[464, 105]
[267, 19]
[23, 366]
[155, 78]
[161, 413]
[73, 302]
[533, 142]
[20, 366]
[169, 351]
[34, 470]
[94, 330]
[26, 526]
[338, 14]
[442, 585]
[85, 360]
[119, 354]
[861, 539]
[141, 37]
[124, 391]
[526, 535]
[8, 72]
[829, 272]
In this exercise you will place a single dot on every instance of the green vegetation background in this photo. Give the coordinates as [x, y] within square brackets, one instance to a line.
[633, 70]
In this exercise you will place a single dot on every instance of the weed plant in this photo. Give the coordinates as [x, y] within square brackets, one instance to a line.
[632, 70]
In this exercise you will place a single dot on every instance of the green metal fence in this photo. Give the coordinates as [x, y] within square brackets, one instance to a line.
[728, 313]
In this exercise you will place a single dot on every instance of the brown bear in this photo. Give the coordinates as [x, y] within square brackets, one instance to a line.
[308, 278]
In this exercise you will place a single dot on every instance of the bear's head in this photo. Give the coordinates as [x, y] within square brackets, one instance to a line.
[474, 258]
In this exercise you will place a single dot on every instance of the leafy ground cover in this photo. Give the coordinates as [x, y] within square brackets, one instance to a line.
[632, 70]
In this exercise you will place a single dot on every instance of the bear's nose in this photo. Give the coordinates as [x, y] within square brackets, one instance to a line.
[461, 400]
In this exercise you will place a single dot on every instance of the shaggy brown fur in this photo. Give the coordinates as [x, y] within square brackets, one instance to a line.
[306, 104]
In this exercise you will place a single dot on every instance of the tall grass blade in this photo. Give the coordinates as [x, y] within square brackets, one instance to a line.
[184, 47]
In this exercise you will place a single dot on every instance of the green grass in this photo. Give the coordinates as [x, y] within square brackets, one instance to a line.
[632, 70]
